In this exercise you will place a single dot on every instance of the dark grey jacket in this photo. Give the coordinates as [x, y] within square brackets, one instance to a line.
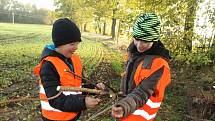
[136, 96]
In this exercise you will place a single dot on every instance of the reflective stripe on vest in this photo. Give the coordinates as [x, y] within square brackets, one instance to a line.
[44, 103]
[66, 79]
[149, 110]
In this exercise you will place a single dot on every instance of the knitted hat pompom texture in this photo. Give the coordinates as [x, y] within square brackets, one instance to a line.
[147, 27]
[64, 31]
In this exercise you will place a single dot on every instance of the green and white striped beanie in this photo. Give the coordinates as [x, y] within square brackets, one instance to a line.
[147, 27]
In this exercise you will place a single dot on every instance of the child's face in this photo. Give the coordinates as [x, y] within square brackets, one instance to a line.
[68, 49]
[141, 45]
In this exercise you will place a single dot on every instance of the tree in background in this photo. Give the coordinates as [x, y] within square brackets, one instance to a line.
[115, 18]
[13, 11]
[50, 18]
[100, 13]
[189, 23]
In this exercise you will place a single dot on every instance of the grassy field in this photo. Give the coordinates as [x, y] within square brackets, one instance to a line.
[21, 46]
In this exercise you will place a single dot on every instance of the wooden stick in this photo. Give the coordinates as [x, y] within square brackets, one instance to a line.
[60, 89]
[78, 89]
[81, 77]
[103, 111]
[29, 99]
[17, 100]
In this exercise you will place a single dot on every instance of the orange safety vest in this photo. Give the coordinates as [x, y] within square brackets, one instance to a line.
[66, 79]
[149, 110]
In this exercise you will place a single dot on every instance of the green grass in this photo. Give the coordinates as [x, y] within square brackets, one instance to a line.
[22, 44]
[174, 107]
[20, 48]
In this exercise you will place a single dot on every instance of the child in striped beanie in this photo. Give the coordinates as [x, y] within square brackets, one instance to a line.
[147, 73]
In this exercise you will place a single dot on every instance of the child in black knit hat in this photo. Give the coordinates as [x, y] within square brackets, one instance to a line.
[55, 59]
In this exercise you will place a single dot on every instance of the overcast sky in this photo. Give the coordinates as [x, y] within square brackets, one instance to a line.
[48, 4]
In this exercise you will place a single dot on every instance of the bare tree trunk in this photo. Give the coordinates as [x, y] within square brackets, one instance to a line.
[100, 29]
[85, 27]
[104, 28]
[189, 24]
[212, 48]
[80, 25]
[113, 33]
[113, 28]
[118, 33]
[99, 25]
[213, 44]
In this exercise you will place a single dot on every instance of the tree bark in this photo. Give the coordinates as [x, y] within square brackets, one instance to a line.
[213, 40]
[113, 33]
[118, 33]
[78, 89]
[85, 27]
[104, 28]
[189, 24]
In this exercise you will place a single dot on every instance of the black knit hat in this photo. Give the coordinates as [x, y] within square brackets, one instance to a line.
[65, 31]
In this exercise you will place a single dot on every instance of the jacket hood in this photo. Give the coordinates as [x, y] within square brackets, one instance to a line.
[49, 50]
[156, 49]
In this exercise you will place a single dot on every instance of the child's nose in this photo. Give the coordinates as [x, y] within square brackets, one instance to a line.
[76, 47]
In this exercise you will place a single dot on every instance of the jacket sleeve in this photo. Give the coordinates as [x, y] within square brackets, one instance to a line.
[141, 93]
[50, 80]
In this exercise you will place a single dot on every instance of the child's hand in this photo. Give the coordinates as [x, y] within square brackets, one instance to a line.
[100, 86]
[91, 102]
[117, 112]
